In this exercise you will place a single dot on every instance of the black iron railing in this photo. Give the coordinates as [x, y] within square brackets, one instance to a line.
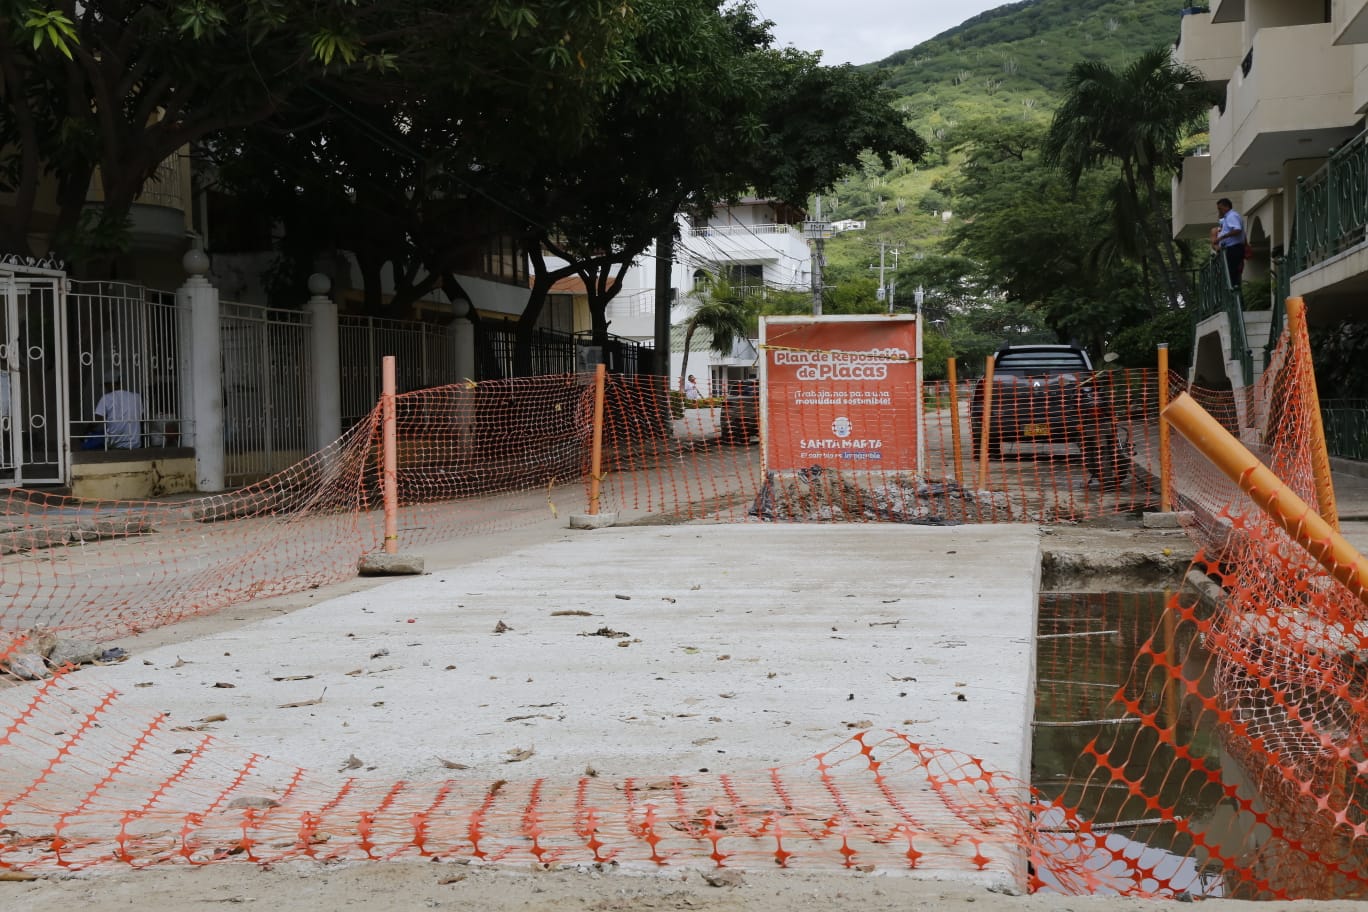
[1332, 205]
[553, 352]
[1215, 295]
[1346, 427]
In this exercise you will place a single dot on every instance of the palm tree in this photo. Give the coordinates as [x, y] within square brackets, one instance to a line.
[723, 313]
[1134, 118]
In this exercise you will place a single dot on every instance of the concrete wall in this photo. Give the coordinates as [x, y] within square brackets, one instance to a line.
[1194, 202]
[1359, 66]
[134, 479]
[1299, 85]
[1212, 48]
[1262, 14]
[1351, 21]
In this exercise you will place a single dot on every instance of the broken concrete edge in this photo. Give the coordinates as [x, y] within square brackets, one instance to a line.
[592, 521]
[382, 563]
[1177, 519]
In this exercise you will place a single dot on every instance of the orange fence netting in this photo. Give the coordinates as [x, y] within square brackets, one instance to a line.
[1206, 742]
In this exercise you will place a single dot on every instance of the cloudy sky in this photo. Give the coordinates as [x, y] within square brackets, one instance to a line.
[862, 31]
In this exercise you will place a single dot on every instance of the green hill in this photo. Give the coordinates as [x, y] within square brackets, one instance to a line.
[1007, 62]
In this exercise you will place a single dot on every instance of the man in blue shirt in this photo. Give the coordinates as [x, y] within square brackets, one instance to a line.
[1231, 239]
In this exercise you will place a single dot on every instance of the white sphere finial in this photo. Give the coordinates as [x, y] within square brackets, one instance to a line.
[319, 284]
[195, 262]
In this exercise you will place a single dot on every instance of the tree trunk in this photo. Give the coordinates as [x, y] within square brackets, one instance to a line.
[72, 191]
[372, 283]
[1147, 232]
[527, 325]
[112, 220]
[1169, 255]
[684, 362]
[602, 287]
[14, 233]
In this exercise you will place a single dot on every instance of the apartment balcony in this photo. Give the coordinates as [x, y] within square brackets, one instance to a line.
[1350, 18]
[1211, 48]
[1292, 98]
[1227, 10]
[161, 214]
[1329, 258]
[1194, 202]
[741, 243]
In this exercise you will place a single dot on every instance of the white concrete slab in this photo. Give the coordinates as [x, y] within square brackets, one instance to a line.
[746, 647]
[779, 638]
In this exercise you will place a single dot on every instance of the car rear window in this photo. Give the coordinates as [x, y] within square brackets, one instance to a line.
[1058, 361]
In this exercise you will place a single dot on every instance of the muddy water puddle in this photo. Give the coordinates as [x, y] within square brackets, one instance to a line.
[1117, 738]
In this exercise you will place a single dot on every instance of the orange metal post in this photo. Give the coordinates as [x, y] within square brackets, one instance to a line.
[596, 453]
[1320, 452]
[954, 419]
[1165, 453]
[1292, 514]
[1172, 687]
[390, 468]
[986, 423]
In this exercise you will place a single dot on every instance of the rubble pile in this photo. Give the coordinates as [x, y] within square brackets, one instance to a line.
[820, 495]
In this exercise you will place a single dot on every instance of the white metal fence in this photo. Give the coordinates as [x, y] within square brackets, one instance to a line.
[268, 395]
[123, 342]
[33, 398]
[101, 366]
[423, 356]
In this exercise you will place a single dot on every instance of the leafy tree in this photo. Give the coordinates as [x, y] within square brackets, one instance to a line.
[1028, 229]
[724, 314]
[722, 114]
[778, 302]
[122, 85]
[1137, 346]
[1135, 118]
[852, 296]
[937, 349]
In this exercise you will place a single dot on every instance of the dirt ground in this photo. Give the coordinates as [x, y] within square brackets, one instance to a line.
[414, 885]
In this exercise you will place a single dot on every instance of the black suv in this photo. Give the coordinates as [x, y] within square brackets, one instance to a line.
[1041, 394]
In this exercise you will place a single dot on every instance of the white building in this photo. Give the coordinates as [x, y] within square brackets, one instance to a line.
[756, 244]
[848, 225]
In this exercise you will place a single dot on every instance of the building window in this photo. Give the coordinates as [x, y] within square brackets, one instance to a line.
[504, 260]
[746, 278]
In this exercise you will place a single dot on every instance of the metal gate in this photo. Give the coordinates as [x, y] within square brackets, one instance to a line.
[33, 402]
[268, 401]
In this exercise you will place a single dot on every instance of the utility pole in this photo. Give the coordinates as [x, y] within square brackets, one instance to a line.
[893, 285]
[817, 231]
[885, 289]
[663, 274]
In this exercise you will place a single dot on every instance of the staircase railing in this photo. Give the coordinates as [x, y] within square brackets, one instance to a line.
[1215, 295]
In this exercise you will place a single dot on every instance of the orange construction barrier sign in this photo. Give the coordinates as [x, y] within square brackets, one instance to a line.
[841, 392]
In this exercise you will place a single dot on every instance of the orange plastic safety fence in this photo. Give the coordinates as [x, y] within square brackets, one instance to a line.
[1234, 758]
[85, 788]
[1066, 453]
[1227, 762]
[472, 458]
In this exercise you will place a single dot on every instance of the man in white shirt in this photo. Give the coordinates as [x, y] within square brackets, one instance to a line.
[121, 411]
[691, 390]
[1231, 239]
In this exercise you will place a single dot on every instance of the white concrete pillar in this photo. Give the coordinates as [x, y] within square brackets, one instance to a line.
[462, 332]
[201, 367]
[326, 360]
